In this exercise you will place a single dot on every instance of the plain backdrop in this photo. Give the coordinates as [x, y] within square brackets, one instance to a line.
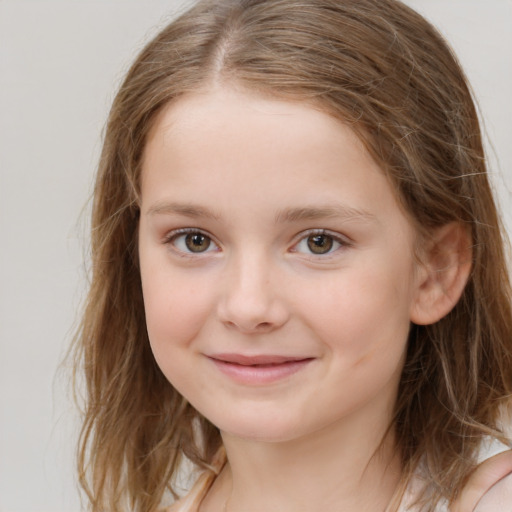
[60, 64]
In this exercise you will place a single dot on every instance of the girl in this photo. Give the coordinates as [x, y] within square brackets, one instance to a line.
[299, 282]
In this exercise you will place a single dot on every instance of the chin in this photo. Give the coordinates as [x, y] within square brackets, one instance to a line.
[269, 431]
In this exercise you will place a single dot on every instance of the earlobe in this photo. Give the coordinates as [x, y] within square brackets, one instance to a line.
[443, 273]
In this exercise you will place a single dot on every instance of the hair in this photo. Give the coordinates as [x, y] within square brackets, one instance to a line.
[381, 68]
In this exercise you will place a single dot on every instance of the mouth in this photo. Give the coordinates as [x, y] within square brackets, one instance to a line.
[259, 369]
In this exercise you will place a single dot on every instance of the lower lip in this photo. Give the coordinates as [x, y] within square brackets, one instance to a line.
[260, 374]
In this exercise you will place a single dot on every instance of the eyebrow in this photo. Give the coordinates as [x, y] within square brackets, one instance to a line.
[334, 210]
[327, 211]
[186, 209]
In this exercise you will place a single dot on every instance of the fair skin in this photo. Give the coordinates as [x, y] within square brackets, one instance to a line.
[279, 283]
[489, 488]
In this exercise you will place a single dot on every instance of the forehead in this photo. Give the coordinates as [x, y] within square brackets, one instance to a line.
[225, 106]
[225, 144]
[236, 123]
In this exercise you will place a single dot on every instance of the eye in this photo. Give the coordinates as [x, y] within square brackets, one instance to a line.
[319, 243]
[191, 241]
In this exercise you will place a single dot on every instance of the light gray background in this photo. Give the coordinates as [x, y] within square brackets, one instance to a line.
[60, 63]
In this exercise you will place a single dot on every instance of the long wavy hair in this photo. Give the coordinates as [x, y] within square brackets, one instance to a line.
[383, 69]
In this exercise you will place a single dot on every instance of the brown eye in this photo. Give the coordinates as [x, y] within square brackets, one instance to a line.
[191, 241]
[320, 244]
[197, 242]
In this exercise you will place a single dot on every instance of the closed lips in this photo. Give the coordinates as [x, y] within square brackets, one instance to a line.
[259, 360]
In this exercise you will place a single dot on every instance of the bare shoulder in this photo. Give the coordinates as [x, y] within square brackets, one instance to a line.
[498, 498]
[489, 489]
[175, 507]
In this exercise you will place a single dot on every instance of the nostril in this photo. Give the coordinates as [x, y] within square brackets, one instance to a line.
[259, 327]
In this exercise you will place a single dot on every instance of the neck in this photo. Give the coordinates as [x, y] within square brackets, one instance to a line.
[349, 468]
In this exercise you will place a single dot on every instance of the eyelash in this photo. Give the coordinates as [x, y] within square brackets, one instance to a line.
[303, 237]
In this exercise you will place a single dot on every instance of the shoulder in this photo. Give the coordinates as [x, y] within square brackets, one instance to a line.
[178, 506]
[489, 488]
[191, 502]
[498, 498]
[175, 507]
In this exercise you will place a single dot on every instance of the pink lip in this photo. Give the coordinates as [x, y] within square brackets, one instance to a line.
[259, 369]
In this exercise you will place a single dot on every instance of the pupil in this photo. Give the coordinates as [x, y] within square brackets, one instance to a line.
[320, 244]
[196, 242]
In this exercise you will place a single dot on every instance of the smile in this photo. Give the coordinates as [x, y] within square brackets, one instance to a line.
[258, 370]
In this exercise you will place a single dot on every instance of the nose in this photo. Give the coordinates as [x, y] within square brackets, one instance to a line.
[252, 300]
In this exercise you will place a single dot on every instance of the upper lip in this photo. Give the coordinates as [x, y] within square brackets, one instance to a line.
[249, 360]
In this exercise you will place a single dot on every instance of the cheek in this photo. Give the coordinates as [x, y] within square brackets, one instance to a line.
[362, 314]
[364, 329]
[176, 307]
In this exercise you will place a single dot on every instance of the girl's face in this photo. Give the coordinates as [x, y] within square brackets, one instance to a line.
[277, 267]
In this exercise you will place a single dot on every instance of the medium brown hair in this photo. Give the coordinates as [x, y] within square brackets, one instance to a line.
[380, 67]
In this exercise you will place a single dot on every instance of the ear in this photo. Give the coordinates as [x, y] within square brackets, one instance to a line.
[442, 274]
